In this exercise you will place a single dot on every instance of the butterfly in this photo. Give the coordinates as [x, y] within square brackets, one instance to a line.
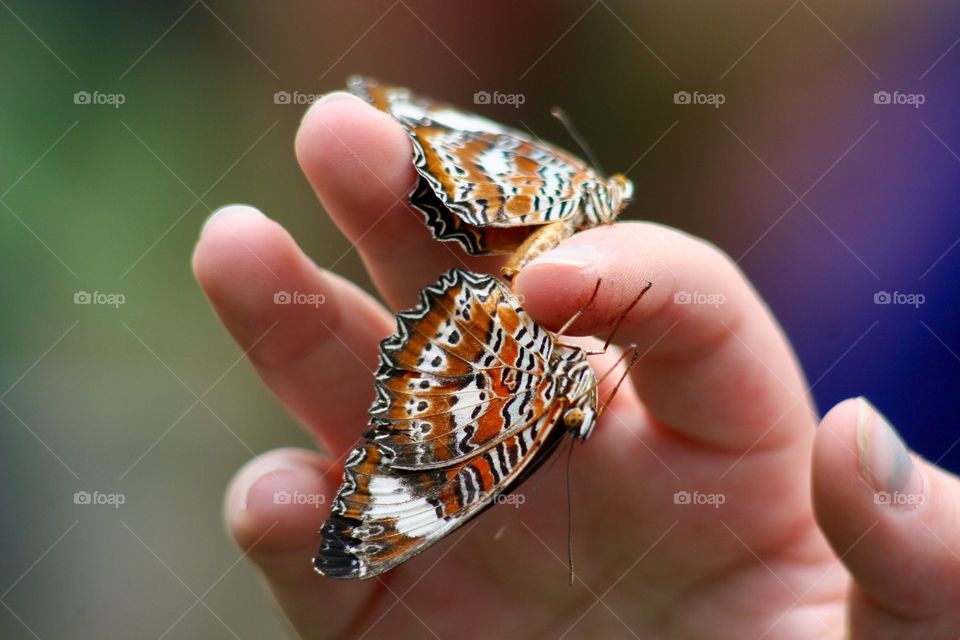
[494, 189]
[472, 397]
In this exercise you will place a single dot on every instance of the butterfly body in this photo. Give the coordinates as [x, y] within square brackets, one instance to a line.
[487, 186]
[472, 397]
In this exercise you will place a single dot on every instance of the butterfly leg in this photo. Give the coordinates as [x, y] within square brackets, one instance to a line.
[540, 241]
[634, 354]
[574, 317]
[634, 358]
[620, 319]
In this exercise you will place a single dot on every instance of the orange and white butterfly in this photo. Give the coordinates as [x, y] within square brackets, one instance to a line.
[473, 395]
[491, 188]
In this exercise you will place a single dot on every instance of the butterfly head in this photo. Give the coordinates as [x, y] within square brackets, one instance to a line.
[581, 414]
[620, 190]
[580, 421]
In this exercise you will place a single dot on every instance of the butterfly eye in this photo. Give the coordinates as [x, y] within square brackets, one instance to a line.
[621, 192]
[586, 427]
[624, 184]
[573, 418]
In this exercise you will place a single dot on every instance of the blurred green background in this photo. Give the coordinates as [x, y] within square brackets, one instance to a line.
[149, 401]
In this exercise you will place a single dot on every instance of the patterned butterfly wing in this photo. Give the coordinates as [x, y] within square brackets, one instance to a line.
[466, 369]
[487, 186]
[469, 395]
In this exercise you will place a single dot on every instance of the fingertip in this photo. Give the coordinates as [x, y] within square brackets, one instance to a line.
[357, 158]
[326, 99]
[837, 487]
[228, 239]
[551, 292]
[232, 209]
[359, 161]
[846, 412]
[559, 283]
[274, 509]
[835, 443]
[858, 456]
[884, 512]
[277, 501]
[266, 291]
[241, 260]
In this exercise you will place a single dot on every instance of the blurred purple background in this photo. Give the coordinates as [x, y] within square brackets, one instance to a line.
[825, 194]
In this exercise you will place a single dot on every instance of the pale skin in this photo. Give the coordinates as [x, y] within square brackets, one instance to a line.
[799, 548]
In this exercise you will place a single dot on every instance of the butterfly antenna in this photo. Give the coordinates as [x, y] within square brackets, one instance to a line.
[576, 316]
[561, 115]
[623, 315]
[570, 514]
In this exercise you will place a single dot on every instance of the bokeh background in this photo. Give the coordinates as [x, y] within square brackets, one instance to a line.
[825, 195]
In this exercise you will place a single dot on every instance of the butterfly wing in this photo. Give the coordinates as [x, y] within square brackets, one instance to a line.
[485, 174]
[447, 226]
[383, 517]
[408, 107]
[431, 462]
[466, 368]
[500, 179]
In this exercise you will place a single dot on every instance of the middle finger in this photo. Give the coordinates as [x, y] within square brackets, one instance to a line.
[359, 162]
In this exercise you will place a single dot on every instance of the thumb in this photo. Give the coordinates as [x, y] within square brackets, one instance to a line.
[892, 519]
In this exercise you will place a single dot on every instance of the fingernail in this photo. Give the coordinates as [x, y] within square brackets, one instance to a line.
[268, 472]
[885, 462]
[325, 99]
[570, 255]
[229, 210]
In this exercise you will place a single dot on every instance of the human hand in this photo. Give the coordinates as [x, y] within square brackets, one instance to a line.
[693, 514]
